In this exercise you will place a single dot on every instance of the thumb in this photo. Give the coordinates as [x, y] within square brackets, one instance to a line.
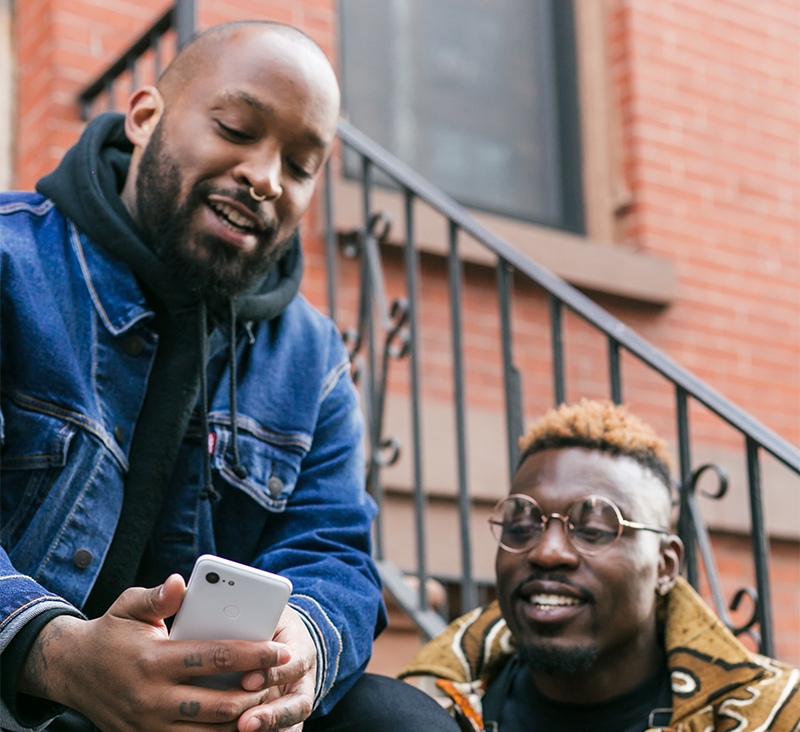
[151, 605]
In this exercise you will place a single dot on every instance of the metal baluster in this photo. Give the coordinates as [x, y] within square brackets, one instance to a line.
[760, 548]
[614, 371]
[330, 243]
[685, 527]
[468, 594]
[108, 86]
[413, 289]
[133, 70]
[557, 335]
[511, 375]
[185, 21]
[156, 45]
[370, 383]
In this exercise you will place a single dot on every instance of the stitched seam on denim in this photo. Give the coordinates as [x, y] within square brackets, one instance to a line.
[42, 407]
[78, 247]
[305, 614]
[247, 424]
[18, 206]
[333, 378]
[28, 604]
[338, 636]
[40, 460]
[75, 505]
[49, 476]
[257, 495]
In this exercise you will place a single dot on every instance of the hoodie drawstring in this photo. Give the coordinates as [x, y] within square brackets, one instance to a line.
[208, 491]
[238, 468]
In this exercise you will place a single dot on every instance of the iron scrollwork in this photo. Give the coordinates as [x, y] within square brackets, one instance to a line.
[689, 503]
[394, 324]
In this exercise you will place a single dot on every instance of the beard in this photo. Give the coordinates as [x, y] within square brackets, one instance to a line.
[553, 659]
[202, 263]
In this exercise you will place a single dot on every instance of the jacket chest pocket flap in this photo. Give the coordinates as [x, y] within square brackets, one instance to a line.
[271, 469]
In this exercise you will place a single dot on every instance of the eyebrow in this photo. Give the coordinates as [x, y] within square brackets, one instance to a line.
[261, 106]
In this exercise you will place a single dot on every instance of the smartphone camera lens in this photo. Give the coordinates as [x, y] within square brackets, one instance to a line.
[212, 578]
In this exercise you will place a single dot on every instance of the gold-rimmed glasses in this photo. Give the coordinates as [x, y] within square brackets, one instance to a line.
[592, 524]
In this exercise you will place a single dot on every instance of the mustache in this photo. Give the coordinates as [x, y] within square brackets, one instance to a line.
[560, 577]
[242, 196]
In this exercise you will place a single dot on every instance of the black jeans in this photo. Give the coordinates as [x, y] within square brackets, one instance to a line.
[374, 704]
[381, 704]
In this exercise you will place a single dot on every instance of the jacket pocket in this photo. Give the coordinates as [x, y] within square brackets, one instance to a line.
[271, 469]
[34, 451]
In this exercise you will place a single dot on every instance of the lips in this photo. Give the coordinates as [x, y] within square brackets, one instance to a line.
[232, 218]
[551, 602]
[233, 223]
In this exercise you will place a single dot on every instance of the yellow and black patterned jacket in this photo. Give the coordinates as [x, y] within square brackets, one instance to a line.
[717, 684]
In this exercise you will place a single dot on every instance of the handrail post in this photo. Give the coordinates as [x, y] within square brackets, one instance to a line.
[412, 288]
[557, 338]
[760, 548]
[185, 22]
[469, 597]
[685, 527]
[511, 376]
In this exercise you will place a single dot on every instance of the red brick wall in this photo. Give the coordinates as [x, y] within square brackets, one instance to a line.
[708, 97]
[708, 94]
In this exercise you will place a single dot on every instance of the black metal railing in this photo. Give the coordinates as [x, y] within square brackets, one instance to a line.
[619, 337]
[180, 18]
[386, 332]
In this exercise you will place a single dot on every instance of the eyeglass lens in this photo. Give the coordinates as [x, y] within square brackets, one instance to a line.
[592, 524]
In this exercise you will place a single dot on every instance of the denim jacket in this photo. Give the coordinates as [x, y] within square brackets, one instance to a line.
[76, 350]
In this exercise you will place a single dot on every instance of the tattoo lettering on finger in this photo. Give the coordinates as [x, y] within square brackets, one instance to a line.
[190, 709]
[193, 660]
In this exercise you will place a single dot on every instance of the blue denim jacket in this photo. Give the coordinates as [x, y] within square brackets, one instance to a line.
[75, 351]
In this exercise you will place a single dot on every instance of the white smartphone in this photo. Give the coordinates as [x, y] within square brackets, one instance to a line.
[226, 600]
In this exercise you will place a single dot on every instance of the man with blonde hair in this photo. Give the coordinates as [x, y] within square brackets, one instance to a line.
[593, 628]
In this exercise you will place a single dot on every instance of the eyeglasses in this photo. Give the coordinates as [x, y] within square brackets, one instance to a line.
[592, 524]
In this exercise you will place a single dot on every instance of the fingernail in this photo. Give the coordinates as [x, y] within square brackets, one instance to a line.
[253, 725]
[256, 681]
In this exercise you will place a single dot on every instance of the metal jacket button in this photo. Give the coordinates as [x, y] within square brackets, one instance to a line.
[275, 485]
[119, 435]
[133, 345]
[82, 558]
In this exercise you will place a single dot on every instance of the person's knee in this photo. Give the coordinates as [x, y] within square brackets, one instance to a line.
[386, 704]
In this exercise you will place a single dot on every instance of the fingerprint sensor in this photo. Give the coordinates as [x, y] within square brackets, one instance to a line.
[231, 611]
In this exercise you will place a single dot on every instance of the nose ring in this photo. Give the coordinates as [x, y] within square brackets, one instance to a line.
[256, 196]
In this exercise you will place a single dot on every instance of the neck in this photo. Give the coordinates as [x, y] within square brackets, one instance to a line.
[612, 675]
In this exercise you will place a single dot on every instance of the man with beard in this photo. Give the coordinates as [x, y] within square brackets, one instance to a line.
[167, 393]
[593, 628]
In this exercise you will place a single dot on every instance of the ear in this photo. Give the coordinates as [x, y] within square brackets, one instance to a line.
[669, 563]
[145, 108]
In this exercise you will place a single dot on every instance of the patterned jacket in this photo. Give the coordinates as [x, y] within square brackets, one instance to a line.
[717, 684]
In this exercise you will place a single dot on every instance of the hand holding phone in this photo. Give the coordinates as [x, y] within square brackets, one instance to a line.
[226, 600]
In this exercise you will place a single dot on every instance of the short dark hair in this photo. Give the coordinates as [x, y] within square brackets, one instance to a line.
[599, 425]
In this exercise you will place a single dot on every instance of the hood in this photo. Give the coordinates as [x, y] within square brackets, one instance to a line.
[86, 187]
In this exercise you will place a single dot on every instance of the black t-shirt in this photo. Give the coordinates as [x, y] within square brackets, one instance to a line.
[526, 710]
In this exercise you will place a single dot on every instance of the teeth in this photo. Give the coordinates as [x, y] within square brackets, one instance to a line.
[232, 216]
[553, 600]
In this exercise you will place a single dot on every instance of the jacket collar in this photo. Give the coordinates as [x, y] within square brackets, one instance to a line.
[113, 288]
[704, 658]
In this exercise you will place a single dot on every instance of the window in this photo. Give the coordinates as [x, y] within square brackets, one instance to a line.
[479, 96]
